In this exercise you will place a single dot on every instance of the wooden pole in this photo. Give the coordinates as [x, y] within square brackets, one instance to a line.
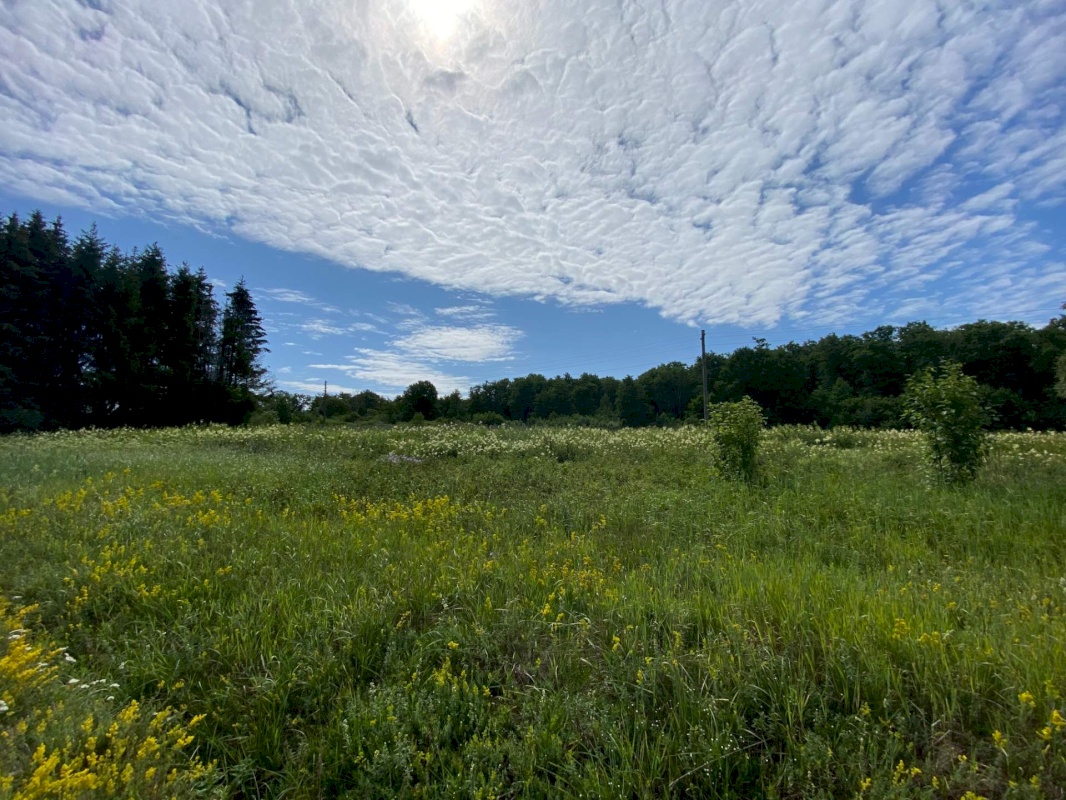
[703, 363]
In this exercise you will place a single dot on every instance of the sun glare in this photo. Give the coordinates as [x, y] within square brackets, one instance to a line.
[441, 16]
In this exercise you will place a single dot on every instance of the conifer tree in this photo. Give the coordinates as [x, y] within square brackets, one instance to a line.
[19, 287]
[242, 342]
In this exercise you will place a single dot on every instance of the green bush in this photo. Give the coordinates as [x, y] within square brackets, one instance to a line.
[737, 427]
[945, 405]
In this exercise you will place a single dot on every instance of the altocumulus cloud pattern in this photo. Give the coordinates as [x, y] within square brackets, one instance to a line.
[719, 161]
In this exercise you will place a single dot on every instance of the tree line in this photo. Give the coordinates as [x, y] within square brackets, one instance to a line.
[855, 380]
[93, 336]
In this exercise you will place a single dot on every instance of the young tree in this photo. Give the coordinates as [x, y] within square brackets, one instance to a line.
[945, 405]
[737, 428]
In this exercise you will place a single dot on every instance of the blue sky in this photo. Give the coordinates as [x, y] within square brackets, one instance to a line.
[464, 190]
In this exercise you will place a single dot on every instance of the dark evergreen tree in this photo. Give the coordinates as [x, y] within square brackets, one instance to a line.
[189, 348]
[111, 357]
[20, 293]
[242, 342]
[60, 327]
[92, 336]
[70, 328]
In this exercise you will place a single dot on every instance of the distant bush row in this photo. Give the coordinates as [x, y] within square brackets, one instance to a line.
[855, 381]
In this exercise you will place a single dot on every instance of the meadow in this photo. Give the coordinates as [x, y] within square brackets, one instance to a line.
[458, 611]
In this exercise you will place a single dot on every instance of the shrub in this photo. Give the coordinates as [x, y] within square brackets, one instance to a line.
[737, 427]
[490, 418]
[945, 405]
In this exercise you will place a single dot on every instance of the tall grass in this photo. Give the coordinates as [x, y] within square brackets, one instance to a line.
[490, 619]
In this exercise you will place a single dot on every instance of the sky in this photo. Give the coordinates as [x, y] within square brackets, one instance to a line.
[466, 190]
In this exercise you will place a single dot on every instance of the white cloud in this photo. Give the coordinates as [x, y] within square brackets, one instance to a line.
[424, 355]
[314, 387]
[295, 296]
[287, 296]
[720, 162]
[418, 351]
[318, 328]
[451, 343]
[396, 371]
[469, 313]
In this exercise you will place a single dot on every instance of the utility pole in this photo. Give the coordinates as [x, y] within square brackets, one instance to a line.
[325, 394]
[703, 363]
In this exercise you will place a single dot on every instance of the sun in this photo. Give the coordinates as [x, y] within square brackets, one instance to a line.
[441, 17]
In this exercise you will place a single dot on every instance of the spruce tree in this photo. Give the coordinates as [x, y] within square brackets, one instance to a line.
[19, 290]
[242, 342]
[111, 349]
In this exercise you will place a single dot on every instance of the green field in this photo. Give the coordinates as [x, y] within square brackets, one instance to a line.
[458, 611]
